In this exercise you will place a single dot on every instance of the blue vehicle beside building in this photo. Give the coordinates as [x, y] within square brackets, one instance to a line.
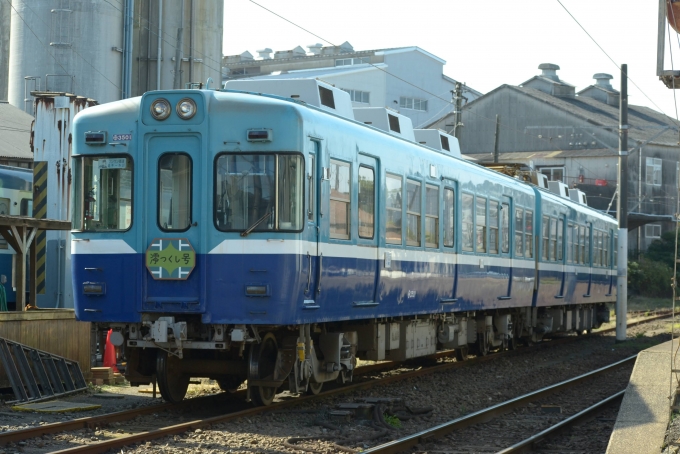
[275, 239]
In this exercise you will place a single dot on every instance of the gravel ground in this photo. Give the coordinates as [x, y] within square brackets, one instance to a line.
[449, 394]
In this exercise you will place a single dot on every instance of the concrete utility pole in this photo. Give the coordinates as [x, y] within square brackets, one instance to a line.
[177, 82]
[458, 114]
[622, 212]
[495, 141]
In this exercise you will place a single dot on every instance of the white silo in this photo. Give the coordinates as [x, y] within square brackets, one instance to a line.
[80, 46]
[200, 42]
[68, 45]
[5, 17]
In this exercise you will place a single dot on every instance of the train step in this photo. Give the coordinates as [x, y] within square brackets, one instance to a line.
[38, 375]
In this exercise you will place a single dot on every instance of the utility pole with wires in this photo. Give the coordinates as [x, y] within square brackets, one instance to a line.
[622, 212]
[458, 113]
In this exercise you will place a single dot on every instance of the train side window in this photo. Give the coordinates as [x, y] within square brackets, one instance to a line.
[569, 243]
[560, 231]
[311, 187]
[505, 225]
[596, 248]
[493, 227]
[615, 263]
[606, 249]
[529, 234]
[582, 243]
[431, 216]
[174, 192]
[588, 245]
[468, 223]
[449, 217]
[340, 186]
[366, 202]
[480, 224]
[413, 210]
[519, 232]
[553, 239]
[4, 206]
[545, 231]
[600, 248]
[576, 247]
[393, 186]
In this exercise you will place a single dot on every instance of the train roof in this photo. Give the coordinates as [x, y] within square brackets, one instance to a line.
[17, 178]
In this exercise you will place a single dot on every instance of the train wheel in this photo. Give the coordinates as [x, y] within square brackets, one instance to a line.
[462, 353]
[314, 388]
[172, 383]
[512, 343]
[262, 365]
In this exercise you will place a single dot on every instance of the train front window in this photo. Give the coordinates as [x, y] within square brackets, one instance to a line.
[102, 193]
[259, 192]
[174, 192]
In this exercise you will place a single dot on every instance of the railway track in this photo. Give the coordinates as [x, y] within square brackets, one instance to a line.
[236, 412]
[496, 411]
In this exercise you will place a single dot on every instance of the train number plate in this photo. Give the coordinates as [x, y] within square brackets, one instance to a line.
[119, 137]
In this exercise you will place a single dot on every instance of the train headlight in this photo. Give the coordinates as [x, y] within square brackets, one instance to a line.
[186, 108]
[160, 109]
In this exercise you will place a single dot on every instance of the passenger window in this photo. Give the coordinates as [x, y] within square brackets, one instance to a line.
[519, 232]
[468, 223]
[493, 227]
[582, 243]
[413, 210]
[311, 188]
[588, 244]
[505, 225]
[174, 192]
[393, 185]
[449, 217]
[366, 202]
[553, 239]
[431, 216]
[340, 200]
[560, 229]
[529, 234]
[615, 262]
[570, 243]
[480, 223]
[26, 208]
[546, 238]
[606, 249]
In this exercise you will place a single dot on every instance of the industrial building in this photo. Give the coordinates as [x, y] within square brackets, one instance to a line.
[573, 137]
[15, 137]
[407, 79]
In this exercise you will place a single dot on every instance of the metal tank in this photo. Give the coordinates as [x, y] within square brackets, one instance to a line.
[190, 31]
[72, 46]
[5, 21]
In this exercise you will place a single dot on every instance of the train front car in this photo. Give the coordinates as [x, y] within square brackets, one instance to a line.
[188, 213]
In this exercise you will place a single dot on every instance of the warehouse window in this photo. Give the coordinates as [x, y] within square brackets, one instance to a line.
[553, 173]
[653, 171]
[413, 103]
[351, 61]
[653, 231]
[358, 96]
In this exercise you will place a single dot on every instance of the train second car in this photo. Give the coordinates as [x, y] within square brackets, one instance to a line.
[274, 239]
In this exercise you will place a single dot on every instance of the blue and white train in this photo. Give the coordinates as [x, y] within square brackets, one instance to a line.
[240, 236]
[16, 199]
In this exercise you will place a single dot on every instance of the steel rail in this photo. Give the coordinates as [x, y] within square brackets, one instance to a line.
[93, 421]
[528, 444]
[487, 414]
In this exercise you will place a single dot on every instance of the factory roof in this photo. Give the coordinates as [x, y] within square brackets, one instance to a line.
[15, 132]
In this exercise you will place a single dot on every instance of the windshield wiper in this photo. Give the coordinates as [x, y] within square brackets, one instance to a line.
[256, 223]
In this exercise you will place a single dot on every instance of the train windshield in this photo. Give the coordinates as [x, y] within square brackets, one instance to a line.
[259, 192]
[102, 193]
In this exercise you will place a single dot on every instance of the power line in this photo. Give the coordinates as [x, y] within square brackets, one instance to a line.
[610, 58]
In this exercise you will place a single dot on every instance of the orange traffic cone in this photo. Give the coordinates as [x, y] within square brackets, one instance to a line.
[110, 353]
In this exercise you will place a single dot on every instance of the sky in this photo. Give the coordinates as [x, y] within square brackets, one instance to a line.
[485, 43]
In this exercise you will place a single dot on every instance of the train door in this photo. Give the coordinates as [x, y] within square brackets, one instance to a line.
[173, 189]
[506, 257]
[314, 164]
[367, 265]
[560, 258]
